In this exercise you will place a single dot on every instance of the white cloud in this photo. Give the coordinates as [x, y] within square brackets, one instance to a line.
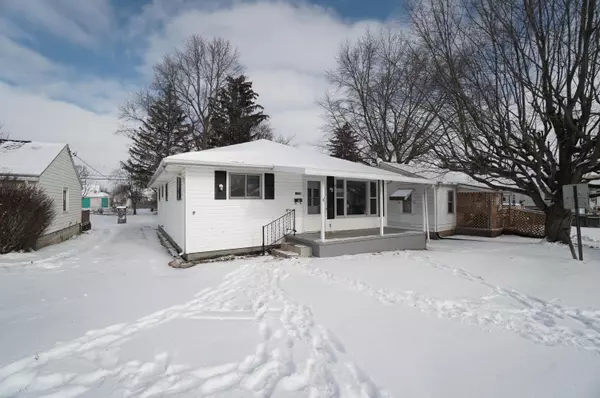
[34, 117]
[83, 22]
[26, 68]
[20, 64]
[285, 48]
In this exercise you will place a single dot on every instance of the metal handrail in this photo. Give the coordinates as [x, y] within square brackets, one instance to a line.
[278, 229]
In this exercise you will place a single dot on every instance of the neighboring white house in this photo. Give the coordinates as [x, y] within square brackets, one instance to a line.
[441, 197]
[217, 201]
[51, 166]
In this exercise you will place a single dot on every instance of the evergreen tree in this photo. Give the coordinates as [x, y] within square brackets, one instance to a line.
[161, 134]
[344, 144]
[235, 115]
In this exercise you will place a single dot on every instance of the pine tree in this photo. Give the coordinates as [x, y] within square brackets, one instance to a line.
[160, 135]
[344, 144]
[235, 115]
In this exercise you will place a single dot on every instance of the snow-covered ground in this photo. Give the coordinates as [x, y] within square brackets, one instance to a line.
[103, 315]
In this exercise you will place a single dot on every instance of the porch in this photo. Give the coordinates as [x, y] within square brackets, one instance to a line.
[358, 241]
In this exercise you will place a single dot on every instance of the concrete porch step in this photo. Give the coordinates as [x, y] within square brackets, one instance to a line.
[284, 253]
[302, 250]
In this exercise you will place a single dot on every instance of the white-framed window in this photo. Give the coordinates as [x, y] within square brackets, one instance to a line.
[373, 198]
[178, 188]
[65, 199]
[355, 198]
[451, 201]
[166, 192]
[340, 197]
[245, 186]
[313, 197]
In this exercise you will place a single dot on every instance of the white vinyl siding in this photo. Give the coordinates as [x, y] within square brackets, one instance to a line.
[414, 220]
[171, 212]
[58, 176]
[230, 224]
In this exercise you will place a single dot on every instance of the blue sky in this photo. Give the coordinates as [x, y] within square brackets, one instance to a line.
[67, 65]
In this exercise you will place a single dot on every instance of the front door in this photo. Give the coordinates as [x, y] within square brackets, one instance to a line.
[313, 197]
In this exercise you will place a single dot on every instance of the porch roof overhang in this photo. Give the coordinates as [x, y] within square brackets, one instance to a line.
[168, 168]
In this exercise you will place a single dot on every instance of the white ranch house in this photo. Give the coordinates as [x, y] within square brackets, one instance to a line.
[239, 198]
[51, 166]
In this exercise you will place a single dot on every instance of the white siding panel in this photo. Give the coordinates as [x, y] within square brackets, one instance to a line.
[234, 223]
[58, 175]
[414, 220]
[171, 212]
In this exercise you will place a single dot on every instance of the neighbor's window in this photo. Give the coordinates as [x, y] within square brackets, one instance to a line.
[65, 199]
[339, 198]
[373, 197]
[244, 186]
[451, 202]
[167, 192]
[178, 188]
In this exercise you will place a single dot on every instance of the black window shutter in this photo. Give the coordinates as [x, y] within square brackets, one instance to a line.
[330, 198]
[269, 186]
[220, 184]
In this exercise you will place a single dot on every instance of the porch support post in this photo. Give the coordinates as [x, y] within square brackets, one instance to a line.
[426, 213]
[381, 195]
[423, 209]
[323, 208]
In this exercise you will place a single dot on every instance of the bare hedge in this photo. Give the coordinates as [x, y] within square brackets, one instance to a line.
[25, 212]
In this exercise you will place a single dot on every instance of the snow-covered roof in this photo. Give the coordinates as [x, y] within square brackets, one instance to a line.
[264, 154]
[438, 175]
[96, 195]
[27, 159]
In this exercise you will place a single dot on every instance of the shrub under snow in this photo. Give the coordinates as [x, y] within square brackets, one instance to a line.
[25, 212]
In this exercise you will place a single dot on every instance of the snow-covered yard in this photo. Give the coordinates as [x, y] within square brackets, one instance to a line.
[102, 315]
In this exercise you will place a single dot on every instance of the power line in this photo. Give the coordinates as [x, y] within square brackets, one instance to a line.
[90, 166]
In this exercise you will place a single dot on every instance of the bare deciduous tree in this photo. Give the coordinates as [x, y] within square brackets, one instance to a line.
[83, 173]
[383, 92]
[125, 188]
[522, 86]
[195, 72]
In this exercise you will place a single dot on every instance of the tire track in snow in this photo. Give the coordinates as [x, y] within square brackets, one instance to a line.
[250, 293]
[538, 321]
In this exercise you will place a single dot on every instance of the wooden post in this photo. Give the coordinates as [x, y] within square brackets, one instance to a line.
[577, 223]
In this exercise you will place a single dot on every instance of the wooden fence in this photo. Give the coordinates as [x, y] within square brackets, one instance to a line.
[524, 222]
[482, 213]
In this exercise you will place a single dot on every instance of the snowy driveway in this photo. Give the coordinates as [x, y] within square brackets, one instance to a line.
[102, 315]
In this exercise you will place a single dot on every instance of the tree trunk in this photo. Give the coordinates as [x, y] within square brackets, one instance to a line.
[134, 205]
[558, 224]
